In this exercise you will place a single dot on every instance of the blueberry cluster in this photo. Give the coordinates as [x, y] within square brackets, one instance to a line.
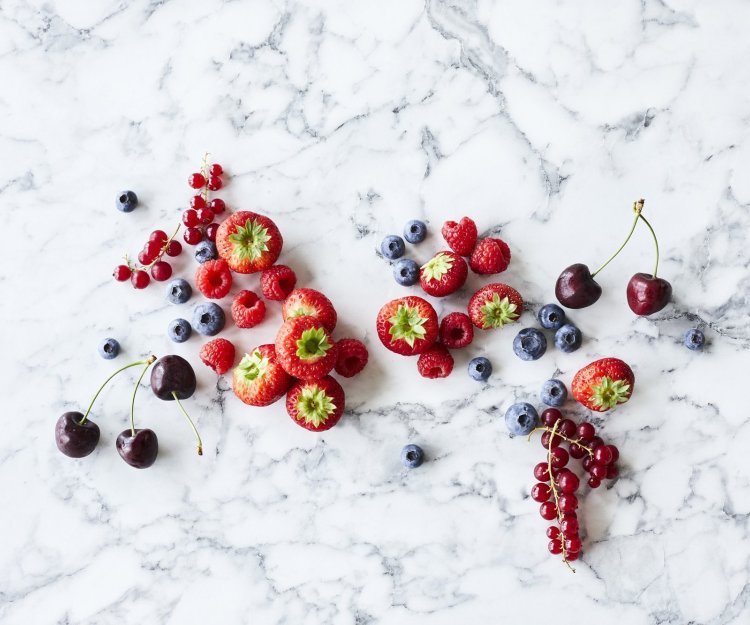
[393, 247]
[531, 344]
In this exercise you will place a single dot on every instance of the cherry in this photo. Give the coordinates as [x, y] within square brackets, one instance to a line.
[541, 492]
[140, 279]
[196, 181]
[216, 169]
[159, 236]
[121, 273]
[161, 271]
[215, 183]
[210, 231]
[647, 294]
[197, 201]
[576, 287]
[190, 218]
[174, 248]
[76, 437]
[138, 448]
[217, 205]
[192, 236]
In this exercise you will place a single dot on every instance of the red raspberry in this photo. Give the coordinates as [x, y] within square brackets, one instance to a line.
[456, 330]
[461, 237]
[248, 309]
[277, 282]
[436, 362]
[214, 278]
[351, 357]
[218, 354]
[490, 256]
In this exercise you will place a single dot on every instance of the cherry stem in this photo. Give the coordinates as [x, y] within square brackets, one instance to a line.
[190, 421]
[149, 360]
[637, 208]
[656, 242]
[132, 401]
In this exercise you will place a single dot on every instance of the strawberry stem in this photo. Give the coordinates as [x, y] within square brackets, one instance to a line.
[656, 242]
[190, 421]
[637, 208]
[135, 390]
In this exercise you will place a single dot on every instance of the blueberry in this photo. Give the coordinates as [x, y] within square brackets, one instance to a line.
[415, 231]
[206, 250]
[109, 348]
[551, 316]
[406, 272]
[694, 339]
[208, 319]
[568, 338]
[554, 393]
[179, 330]
[126, 201]
[179, 291]
[412, 456]
[392, 247]
[480, 368]
[521, 418]
[529, 344]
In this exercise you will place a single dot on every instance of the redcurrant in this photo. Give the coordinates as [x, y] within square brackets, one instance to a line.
[161, 271]
[190, 218]
[159, 236]
[568, 482]
[210, 231]
[553, 531]
[554, 546]
[144, 258]
[217, 205]
[567, 428]
[197, 201]
[569, 526]
[541, 472]
[205, 216]
[576, 451]
[615, 453]
[567, 503]
[547, 436]
[152, 248]
[550, 416]
[174, 248]
[196, 181]
[603, 455]
[588, 461]
[214, 183]
[586, 431]
[612, 472]
[540, 492]
[598, 471]
[140, 279]
[192, 236]
[595, 442]
[594, 482]
[547, 511]
[558, 457]
[573, 544]
[121, 273]
[216, 169]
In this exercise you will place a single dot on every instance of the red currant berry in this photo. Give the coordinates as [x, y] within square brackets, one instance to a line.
[573, 544]
[196, 181]
[152, 248]
[192, 236]
[190, 218]
[587, 463]
[595, 442]
[603, 455]
[174, 248]
[615, 453]
[594, 482]
[215, 183]
[217, 205]
[140, 279]
[216, 169]
[161, 271]
[197, 201]
[567, 428]
[540, 492]
[205, 216]
[121, 273]
[598, 471]
[576, 451]
[144, 257]
[159, 236]
[612, 472]
[568, 482]
[569, 526]
[553, 531]
[559, 457]
[586, 431]
[545, 440]
[554, 546]
[210, 231]
[541, 472]
[550, 416]
[572, 555]
[567, 503]
[547, 511]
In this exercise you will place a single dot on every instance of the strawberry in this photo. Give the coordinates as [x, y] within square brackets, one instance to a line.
[316, 405]
[490, 256]
[218, 354]
[312, 303]
[248, 310]
[351, 357]
[603, 384]
[443, 274]
[249, 242]
[435, 362]
[213, 278]
[494, 305]
[305, 349]
[259, 379]
[277, 282]
[461, 237]
[407, 325]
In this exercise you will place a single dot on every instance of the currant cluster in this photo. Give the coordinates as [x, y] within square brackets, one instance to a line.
[199, 218]
[151, 258]
[557, 484]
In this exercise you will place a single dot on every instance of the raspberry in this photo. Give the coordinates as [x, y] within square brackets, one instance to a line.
[248, 309]
[490, 256]
[351, 357]
[219, 355]
[214, 278]
[461, 237]
[277, 282]
[436, 362]
[456, 330]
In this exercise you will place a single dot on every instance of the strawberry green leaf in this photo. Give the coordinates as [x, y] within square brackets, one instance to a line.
[313, 343]
[253, 366]
[314, 406]
[303, 310]
[437, 267]
[250, 241]
[407, 325]
[497, 312]
[608, 393]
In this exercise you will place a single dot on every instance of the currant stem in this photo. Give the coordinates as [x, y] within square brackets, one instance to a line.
[656, 243]
[553, 486]
[132, 401]
[637, 208]
[149, 360]
[192, 425]
[204, 171]
[572, 441]
[163, 250]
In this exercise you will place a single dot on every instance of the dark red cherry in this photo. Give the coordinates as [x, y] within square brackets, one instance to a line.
[172, 374]
[647, 295]
[73, 438]
[138, 451]
[576, 287]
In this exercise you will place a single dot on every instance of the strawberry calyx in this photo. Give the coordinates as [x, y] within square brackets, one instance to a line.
[608, 393]
[497, 312]
[303, 310]
[250, 241]
[253, 366]
[313, 343]
[407, 325]
[437, 267]
[314, 406]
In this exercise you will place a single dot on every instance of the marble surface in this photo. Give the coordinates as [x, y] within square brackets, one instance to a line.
[341, 120]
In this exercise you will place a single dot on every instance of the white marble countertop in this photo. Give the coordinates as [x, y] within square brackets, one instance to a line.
[342, 120]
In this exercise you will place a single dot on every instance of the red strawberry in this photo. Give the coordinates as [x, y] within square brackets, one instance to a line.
[351, 357]
[218, 354]
[214, 279]
[443, 274]
[316, 405]
[277, 282]
[435, 362]
[305, 349]
[259, 380]
[310, 303]
[461, 237]
[407, 325]
[456, 330]
[249, 242]
[603, 384]
[248, 310]
[494, 305]
[490, 256]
